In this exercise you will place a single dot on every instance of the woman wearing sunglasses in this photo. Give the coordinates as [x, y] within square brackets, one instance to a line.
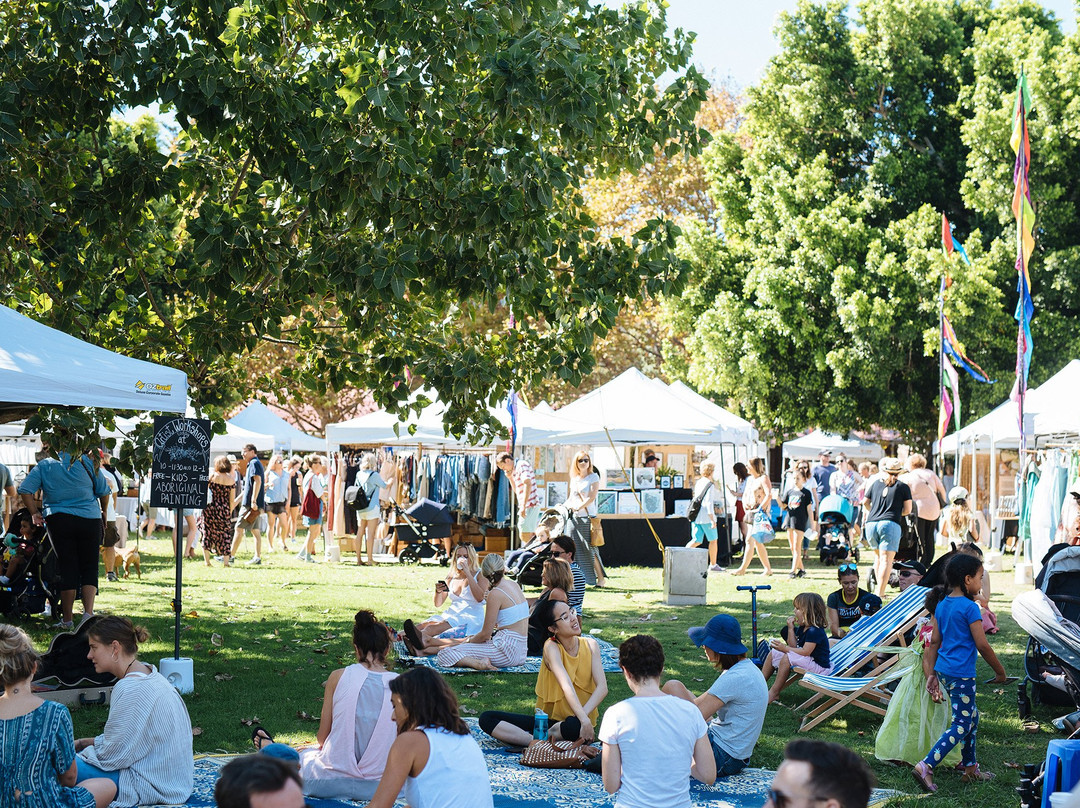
[584, 486]
[848, 603]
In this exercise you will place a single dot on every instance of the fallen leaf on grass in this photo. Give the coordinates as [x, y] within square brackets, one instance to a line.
[673, 618]
[216, 639]
[321, 650]
[474, 694]
[250, 722]
[1009, 765]
[193, 613]
[197, 646]
[306, 716]
[222, 677]
[698, 680]
[212, 652]
[467, 711]
[196, 730]
[645, 618]
[283, 673]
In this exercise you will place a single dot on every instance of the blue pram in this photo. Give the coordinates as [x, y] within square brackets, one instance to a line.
[835, 517]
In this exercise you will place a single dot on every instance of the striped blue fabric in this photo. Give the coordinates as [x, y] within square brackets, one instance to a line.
[876, 629]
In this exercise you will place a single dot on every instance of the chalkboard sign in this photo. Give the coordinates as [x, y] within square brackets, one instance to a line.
[181, 462]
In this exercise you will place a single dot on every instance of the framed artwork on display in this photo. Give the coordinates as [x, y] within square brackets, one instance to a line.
[677, 462]
[677, 481]
[616, 478]
[644, 478]
[652, 501]
[665, 481]
[627, 503]
[682, 507]
[557, 492]
[605, 502]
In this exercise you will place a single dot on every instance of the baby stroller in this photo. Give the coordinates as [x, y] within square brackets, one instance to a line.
[1050, 614]
[35, 584]
[835, 518]
[527, 565]
[425, 525]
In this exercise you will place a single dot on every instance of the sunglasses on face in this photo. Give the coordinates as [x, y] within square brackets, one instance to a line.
[584, 460]
[906, 573]
[847, 568]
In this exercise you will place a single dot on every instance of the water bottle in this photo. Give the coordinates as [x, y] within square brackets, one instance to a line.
[540, 726]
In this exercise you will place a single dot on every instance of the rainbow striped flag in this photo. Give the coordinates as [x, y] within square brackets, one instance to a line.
[949, 242]
[954, 350]
[1025, 239]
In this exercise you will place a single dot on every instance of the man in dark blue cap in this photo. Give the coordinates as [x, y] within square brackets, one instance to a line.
[738, 697]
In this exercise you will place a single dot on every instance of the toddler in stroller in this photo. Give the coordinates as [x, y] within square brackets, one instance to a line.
[26, 549]
[835, 519]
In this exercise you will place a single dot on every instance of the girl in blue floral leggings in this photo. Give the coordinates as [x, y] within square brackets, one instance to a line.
[949, 665]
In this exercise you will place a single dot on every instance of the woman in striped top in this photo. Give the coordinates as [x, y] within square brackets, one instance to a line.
[146, 745]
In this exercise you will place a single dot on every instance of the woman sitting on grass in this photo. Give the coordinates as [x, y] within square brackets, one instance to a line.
[501, 642]
[356, 729]
[146, 745]
[37, 754]
[558, 582]
[434, 756]
[465, 587]
[569, 688]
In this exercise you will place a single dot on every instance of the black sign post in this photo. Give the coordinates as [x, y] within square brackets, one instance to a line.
[179, 480]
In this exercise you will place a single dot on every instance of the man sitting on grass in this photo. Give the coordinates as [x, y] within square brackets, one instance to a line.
[822, 775]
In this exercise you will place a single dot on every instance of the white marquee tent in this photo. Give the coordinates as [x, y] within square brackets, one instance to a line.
[632, 409]
[811, 445]
[257, 417]
[42, 366]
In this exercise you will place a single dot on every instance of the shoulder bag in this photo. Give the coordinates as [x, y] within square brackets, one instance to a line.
[695, 505]
[311, 506]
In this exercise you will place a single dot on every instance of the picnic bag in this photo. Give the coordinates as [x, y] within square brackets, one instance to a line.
[695, 505]
[554, 755]
[311, 507]
[762, 529]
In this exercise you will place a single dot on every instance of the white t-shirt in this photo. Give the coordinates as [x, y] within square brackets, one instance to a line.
[707, 514]
[114, 489]
[580, 486]
[738, 723]
[656, 737]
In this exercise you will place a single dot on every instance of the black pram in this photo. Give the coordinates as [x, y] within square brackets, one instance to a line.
[34, 585]
[1050, 614]
[425, 526]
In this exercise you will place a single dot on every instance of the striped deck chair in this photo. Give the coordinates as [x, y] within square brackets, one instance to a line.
[859, 648]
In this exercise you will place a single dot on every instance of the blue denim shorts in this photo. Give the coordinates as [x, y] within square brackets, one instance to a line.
[726, 765]
[701, 532]
[883, 536]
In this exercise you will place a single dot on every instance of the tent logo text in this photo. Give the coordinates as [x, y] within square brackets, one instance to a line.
[151, 388]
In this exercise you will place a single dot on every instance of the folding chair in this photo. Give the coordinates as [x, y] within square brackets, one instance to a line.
[859, 647]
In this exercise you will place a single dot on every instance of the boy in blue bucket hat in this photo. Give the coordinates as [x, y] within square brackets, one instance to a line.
[735, 704]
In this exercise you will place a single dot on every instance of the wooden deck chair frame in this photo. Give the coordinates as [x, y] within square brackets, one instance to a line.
[858, 647]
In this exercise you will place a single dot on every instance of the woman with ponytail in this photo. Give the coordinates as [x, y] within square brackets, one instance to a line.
[145, 748]
[356, 728]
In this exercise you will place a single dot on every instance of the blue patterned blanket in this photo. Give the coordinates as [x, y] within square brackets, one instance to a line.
[608, 652]
[516, 786]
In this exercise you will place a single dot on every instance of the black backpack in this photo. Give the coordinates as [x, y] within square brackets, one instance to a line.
[357, 497]
[695, 504]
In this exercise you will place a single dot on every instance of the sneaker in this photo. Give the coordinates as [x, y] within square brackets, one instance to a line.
[111, 577]
[311, 559]
[85, 616]
[254, 562]
[302, 555]
[64, 625]
[716, 568]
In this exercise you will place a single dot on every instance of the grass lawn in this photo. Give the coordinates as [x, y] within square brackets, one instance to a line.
[264, 638]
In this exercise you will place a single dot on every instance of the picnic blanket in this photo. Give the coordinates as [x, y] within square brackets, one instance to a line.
[608, 652]
[516, 786]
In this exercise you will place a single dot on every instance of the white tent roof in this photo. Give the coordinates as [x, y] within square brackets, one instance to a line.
[377, 428]
[236, 438]
[1051, 406]
[42, 366]
[813, 444]
[257, 417]
[632, 408]
[729, 420]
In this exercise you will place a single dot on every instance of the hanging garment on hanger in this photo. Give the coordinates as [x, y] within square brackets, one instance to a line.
[1045, 512]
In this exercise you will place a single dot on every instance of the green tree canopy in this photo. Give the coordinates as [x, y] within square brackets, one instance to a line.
[814, 301]
[349, 178]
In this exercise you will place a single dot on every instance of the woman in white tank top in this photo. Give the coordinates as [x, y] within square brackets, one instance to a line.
[435, 756]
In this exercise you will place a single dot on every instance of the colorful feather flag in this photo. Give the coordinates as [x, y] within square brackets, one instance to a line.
[512, 408]
[949, 243]
[950, 398]
[955, 351]
[1025, 242]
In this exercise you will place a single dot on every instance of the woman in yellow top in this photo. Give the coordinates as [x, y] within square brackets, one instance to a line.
[569, 689]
